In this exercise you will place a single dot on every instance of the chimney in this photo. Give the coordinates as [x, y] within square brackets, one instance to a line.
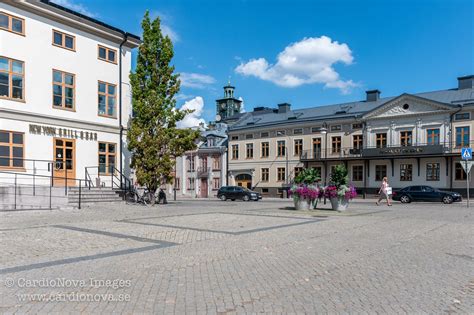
[466, 82]
[372, 95]
[283, 108]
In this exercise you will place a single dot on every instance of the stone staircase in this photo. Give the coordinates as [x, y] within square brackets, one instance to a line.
[93, 195]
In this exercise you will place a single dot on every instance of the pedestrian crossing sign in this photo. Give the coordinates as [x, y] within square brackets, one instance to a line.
[466, 153]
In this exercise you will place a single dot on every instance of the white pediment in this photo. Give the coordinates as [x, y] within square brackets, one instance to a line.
[408, 105]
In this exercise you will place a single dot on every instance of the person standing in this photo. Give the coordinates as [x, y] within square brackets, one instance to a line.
[383, 192]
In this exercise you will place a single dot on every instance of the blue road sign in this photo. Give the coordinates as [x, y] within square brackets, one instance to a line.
[466, 153]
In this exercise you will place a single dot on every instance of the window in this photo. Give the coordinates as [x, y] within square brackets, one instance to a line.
[298, 147]
[191, 183]
[177, 183]
[298, 131]
[265, 149]
[107, 54]
[281, 133]
[63, 40]
[280, 174]
[63, 90]
[191, 164]
[216, 163]
[11, 149]
[234, 138]
[462, 116]
[12, 79]
[432, 136]
[336, 144]
[381, 140]
[249, 136]
[380, 172]
[316, 148]
[265, 174]
[106, 98]
[462, 136]
[235, 152]
[315, 129]
[264, 190]
[264, 135]
[357, 126]
[336, 128]
[298, 170]
[281, 149]
[432, 171]
[357, 142]
[12, 23]
[460, 174]
[107, 154]
[216, 183]
[406, 172]
[406, 138]
[357, 173]
[249, 150]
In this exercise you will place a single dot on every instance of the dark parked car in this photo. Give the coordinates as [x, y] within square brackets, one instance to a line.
[425, 193]
[237, 192]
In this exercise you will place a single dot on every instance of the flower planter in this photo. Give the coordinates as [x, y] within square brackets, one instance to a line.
[339, 203]
[302, 204]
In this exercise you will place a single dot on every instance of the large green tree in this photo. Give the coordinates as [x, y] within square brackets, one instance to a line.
[153, 138]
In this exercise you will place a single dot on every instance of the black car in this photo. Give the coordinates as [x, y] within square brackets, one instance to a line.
[425, 193]
[237, 192]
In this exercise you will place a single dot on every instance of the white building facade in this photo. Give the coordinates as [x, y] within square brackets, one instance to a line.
[65, 97]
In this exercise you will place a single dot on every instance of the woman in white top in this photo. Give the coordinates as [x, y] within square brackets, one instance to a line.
[383, 192]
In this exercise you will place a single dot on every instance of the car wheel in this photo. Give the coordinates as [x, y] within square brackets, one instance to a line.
[246, 198]
[405, 199]
[233, 199]
[447, 199]
[223, 198]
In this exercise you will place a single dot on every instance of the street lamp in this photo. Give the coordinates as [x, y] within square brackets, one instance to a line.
[324, 131]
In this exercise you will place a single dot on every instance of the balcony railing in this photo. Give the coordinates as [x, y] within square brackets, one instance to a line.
[203, 171]
[420, 149]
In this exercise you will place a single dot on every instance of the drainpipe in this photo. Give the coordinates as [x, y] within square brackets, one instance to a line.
[125, 36]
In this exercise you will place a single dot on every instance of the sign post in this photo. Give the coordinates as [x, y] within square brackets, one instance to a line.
[466, 155]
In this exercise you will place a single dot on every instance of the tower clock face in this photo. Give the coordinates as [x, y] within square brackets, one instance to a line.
[222, 105]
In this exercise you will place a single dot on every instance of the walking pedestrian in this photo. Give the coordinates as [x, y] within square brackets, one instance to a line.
[384, 192]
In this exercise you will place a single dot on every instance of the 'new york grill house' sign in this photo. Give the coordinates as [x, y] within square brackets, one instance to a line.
[63, 132]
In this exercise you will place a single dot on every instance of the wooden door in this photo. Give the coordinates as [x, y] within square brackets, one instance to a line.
[204, 188]
[64, 162]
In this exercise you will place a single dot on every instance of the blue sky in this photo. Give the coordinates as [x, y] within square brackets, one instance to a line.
[307, 53]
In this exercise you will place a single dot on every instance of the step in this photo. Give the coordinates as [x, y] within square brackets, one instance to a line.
[76, 201]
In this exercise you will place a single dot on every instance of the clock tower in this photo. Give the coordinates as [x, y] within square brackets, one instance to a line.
[229, 105]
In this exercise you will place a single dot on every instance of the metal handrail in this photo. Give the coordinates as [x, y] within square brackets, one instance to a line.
[51, 178]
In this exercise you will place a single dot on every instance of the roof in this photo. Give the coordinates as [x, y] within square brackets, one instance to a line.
[66, 16]
[453, 97]
[60, 7]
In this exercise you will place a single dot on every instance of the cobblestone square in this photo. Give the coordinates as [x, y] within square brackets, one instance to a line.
[212, 257]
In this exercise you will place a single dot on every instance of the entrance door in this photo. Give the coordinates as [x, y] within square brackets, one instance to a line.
[244, 180]
[204, 187]
[64, 162]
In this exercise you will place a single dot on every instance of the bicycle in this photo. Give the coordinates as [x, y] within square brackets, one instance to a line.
[134, 197]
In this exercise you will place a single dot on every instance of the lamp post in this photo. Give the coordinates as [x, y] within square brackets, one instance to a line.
[324, 131]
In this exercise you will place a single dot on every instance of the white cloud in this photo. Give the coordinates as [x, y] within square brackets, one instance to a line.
[76, 7]
[242, 106]
[308, 61]
[183, 97]
[193, 119]
[196, 80]
[166, 28]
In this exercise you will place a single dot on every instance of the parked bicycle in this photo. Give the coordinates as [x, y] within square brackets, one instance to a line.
[138, 196]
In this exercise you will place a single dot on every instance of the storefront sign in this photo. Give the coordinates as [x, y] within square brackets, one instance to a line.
[63, 132]
[410, 150]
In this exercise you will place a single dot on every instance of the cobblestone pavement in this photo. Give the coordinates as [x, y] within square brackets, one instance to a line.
[212, 257]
